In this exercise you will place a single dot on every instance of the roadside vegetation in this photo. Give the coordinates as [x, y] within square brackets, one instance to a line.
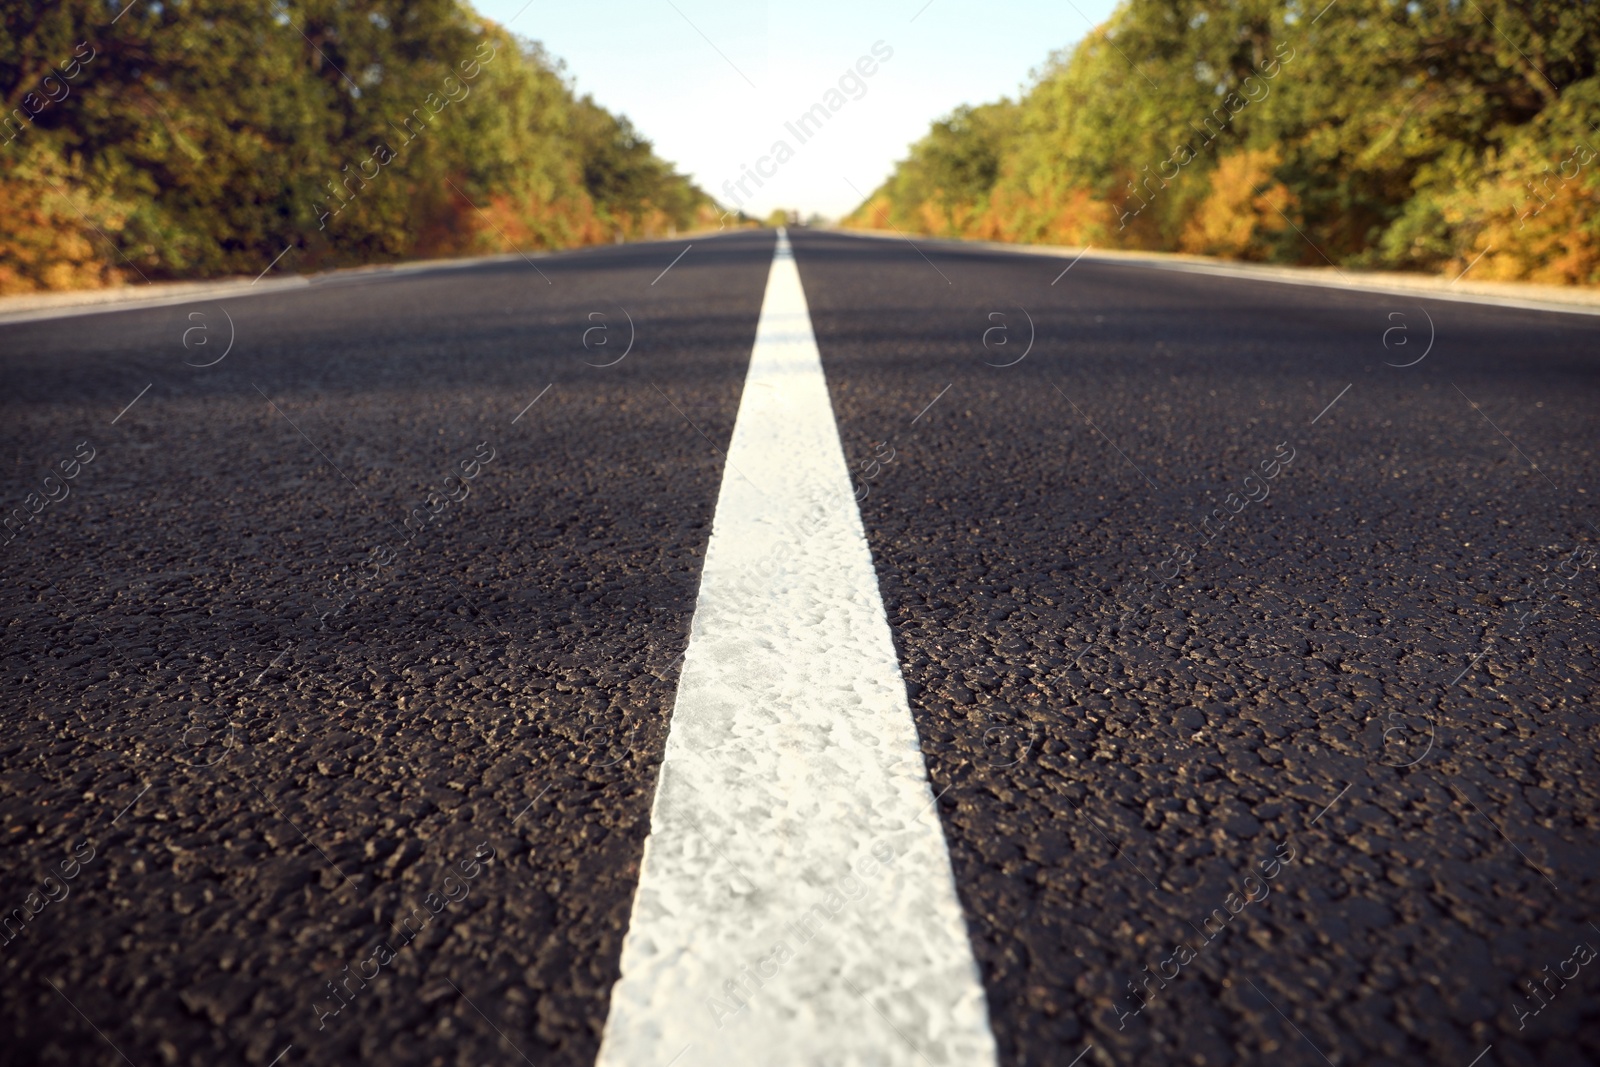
[195, 138]
[1364, 133]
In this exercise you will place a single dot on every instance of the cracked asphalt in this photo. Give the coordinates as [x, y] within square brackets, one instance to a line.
[1253, 669]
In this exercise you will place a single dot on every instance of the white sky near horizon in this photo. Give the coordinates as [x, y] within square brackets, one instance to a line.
[712, 82]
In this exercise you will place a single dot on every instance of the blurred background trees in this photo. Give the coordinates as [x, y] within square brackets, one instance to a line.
[1388, 134]
[194, 138]
[203, 137]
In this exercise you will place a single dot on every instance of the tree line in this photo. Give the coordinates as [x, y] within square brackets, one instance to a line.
[195, 138]
[1379, 134]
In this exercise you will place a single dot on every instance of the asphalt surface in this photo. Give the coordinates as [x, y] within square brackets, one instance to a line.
[1120, 753]
[304, 782]
[262, 723]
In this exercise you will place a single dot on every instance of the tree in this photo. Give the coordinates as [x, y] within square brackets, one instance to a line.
[201, 137]
[1399, 135]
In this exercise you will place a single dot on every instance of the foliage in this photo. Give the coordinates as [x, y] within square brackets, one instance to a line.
[1367, 133]
[188, 138]
[1242, 211]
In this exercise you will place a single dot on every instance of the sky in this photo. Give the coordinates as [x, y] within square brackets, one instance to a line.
[712, 83]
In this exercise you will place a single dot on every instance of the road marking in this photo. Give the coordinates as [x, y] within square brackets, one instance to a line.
[787, 864]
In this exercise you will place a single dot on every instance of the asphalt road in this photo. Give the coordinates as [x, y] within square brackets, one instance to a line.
[338, 643]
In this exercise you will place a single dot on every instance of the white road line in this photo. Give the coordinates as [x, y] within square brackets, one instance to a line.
[795, 901]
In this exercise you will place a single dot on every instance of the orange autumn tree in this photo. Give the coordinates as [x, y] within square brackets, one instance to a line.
[1244, 211]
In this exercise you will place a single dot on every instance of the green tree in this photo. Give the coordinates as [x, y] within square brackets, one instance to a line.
[1367, 133]
[202, 137]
